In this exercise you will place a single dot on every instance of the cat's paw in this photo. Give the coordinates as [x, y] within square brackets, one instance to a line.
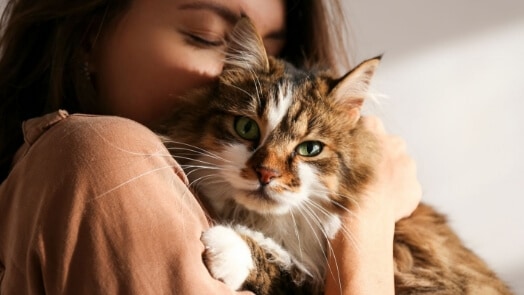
[227, 256]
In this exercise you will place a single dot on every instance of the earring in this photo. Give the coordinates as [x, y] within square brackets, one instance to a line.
[85, 68]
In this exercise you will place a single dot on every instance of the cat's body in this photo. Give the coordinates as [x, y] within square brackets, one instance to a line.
[277, 154]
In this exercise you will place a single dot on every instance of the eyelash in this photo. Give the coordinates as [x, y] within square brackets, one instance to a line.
[199, 41]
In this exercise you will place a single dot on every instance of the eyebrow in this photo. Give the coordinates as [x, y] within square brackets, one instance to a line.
[225, 12]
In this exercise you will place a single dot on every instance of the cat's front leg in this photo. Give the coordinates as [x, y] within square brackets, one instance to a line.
[227, 256]
[246, 259]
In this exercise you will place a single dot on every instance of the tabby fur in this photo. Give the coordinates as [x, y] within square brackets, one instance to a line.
[276, 205]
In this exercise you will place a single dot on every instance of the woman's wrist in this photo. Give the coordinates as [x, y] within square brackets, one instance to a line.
[361, 260]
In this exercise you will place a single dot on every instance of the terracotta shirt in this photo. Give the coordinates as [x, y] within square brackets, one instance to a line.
[96, 205]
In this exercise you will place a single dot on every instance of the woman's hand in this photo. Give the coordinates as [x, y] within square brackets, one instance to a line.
[396, 186]
[361, 260]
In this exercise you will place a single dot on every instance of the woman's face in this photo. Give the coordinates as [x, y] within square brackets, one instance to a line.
[162, 48]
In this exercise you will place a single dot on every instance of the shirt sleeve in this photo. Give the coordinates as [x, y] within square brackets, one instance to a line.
[102, 208]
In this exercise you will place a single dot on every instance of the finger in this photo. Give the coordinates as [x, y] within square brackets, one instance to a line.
[398, 143]
[374, 124]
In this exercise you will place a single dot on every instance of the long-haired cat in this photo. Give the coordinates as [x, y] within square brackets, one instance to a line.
[276, 154]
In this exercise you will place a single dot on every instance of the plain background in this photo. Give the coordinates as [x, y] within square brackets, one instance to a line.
[453, 76]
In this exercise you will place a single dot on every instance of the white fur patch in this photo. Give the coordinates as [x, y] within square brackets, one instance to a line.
[223, 175]
[310, 185]
[237, 155]
[228, 257]
[278, 110]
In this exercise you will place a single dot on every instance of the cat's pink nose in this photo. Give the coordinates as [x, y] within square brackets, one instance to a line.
[265, 175]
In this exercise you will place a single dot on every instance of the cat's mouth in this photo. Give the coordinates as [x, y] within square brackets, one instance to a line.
[261, 194]
[260, 200]
[264, 199]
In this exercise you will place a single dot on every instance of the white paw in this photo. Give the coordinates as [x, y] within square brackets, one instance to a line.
[227, 256]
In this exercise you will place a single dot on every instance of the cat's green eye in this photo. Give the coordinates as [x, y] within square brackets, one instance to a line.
[247, 128]
[309, 148]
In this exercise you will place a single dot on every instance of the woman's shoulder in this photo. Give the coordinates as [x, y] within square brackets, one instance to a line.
[77, 134]
[83, 144]
[93, 130]
[93, 155]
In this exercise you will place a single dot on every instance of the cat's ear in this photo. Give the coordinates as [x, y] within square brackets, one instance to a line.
[245, 48]
[351, 90]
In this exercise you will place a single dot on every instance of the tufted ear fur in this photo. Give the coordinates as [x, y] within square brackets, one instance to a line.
[245, 49]
[352, 89]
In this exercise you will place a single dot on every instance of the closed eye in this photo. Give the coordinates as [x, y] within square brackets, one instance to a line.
[200, 41]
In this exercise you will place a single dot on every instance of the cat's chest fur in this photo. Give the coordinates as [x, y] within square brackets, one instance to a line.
[302, 233]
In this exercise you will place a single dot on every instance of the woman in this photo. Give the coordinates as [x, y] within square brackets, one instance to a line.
[85, 206]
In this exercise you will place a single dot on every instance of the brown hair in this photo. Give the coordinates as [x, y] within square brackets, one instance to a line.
[317, 34]
[42, 42]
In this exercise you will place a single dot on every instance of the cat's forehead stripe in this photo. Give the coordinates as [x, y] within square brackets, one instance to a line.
[279, 106]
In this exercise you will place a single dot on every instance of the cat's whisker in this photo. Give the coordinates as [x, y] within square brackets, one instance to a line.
[343, 229]
[206, 179]
[336, 203]
[329, 248]
[345, 209]
[337, 277]
[329, 214]
[307, 214]
[196, 169]
[132, 179]
[327, 192]
[328, 243]
[314, 217]
[175, 152]
[295, 227]
[318, 207]
[337, 268]
[201, 160]
[197, 161]
[194, 148]
[190, 169]
[347, 233]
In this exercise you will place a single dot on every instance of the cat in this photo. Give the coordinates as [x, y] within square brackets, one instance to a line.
[276, 154]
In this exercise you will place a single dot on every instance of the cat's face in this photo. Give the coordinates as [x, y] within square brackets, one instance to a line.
[273, 138]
